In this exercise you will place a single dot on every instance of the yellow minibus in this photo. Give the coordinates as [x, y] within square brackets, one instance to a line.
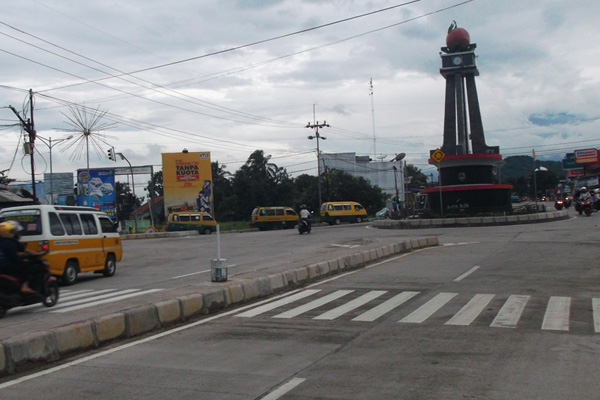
[77, 239]
[265, 218]
[191, 221]
[336, 212]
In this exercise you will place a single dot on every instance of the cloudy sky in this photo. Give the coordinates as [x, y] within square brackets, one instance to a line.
[233, 76]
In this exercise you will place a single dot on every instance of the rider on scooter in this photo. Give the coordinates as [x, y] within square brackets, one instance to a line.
[12, 254]
[585, 195]
[305, 215]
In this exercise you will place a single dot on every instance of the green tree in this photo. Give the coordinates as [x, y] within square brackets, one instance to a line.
[259, 183]
[126, 201]
[417, 177]
[155, 186]
[345, 187]
[222, 191]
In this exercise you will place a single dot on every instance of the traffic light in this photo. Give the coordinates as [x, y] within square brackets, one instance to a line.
[111, 154]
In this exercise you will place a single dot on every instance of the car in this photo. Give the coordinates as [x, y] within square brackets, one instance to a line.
[515, 199]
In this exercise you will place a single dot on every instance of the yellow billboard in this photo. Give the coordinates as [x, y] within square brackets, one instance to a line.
[187, 182]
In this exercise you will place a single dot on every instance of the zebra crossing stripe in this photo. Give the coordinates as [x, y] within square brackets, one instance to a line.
[137, 292]
[510, 313]
[72, 302]
[557, 314]
[351, 305]
[429, 308]
[270, 306]
[313, 304]
[83, 293]
[385, 307]
[596, 310]
[471, 310]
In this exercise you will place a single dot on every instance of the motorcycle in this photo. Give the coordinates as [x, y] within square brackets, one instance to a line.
[559, 204]
[583, 206]
[303, 226]
[44, 285]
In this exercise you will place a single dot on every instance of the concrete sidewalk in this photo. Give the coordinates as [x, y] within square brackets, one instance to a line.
[42, 347]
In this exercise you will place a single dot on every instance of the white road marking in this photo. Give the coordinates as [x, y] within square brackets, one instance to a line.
[283, 389]
[557, 314]
[275, 304]
[351, 305]
[384, 308]
[469, 272]
[428, 309]
[109, 300]
[81, 293]
[471, 310]
[347, 246]
[313, 304]
[137, 342]
[596, 310]
[510, 313]
[193, 273]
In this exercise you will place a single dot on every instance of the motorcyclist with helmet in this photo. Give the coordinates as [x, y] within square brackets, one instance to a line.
[305, 215]
[13, 253]
[584, 195]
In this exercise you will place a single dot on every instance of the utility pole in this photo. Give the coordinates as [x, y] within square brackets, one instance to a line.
[29, 127]
[316, 127]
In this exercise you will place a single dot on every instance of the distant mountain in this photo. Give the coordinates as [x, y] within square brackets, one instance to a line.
[516, 166]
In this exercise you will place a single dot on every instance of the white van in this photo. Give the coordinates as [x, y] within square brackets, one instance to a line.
[78, 239]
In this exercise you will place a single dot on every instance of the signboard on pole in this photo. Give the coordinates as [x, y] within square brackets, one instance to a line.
[187, 182]
[586, 156]
[96, 189]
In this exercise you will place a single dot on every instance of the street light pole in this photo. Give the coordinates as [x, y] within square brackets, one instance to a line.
[316, 127]
[48, 142]
[133, 187]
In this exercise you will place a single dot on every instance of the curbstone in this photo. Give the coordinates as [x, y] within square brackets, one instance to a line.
[141, 319]
[234, 293]
[488, 221]
[109, 327]
[250, 289]
[191, 305]
[264, 286]
[323, 268]
[301, 274]
[78, 336]
[290, 278]
[333, 265]
[366, 255]
[2, 360]
[313, 271]
[276, 282]
[31, 347]
[168, 311]
[214, 300]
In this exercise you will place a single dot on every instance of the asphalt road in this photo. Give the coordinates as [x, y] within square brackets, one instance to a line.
[493, 313]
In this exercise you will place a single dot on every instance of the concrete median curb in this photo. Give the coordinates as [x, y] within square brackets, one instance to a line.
[41, 348]
[470, 221]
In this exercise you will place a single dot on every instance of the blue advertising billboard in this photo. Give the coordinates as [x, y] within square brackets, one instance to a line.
[97, 189]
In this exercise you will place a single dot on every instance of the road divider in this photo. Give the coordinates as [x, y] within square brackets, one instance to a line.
[44, 347]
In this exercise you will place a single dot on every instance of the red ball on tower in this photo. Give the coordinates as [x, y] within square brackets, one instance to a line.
[458, 39]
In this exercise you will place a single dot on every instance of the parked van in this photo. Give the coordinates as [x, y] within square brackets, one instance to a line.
[78, 239]
[336, 212]
[265, 218]
[191, 221]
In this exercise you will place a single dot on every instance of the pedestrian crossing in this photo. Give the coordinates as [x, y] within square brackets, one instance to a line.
[423, 307]
[73, 300]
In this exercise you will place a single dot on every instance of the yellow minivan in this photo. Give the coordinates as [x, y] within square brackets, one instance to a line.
[77, 239]
[336, 212]
[191, 221]
[265, 218]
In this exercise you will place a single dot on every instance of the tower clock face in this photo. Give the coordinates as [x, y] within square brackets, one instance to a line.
[457, 60]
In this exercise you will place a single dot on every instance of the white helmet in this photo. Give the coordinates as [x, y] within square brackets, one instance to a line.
[584, 189]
